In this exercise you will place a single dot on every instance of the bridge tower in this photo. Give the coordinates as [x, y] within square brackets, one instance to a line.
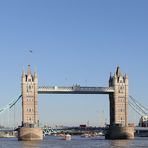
[30, 120]
[119, 99]
[30, 99]
[119, 128]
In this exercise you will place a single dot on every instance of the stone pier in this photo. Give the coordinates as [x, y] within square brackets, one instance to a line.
[119, 132]
[30, 134]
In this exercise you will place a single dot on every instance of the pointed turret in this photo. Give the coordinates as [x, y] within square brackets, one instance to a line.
[35, 73]
[29, 70]
[35, 77]
[110, 78]
[114, 79]
[23, 74]
[126, 79]
[118, 72]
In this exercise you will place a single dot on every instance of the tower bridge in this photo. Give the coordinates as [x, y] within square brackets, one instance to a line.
[118, 102]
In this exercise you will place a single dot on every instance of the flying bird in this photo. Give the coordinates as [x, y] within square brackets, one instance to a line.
[30, 51]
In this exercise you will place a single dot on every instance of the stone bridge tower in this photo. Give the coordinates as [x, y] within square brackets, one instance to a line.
[29, 99]
[119, 99]
[119, 128]
[30, 121]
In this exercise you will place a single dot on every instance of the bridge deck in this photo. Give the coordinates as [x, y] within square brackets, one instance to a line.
[75, 90]
[141, 128]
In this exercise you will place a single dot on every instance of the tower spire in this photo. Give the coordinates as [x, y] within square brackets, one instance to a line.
[23, 73]
[110, 78]
[29, 70]
[118, 72]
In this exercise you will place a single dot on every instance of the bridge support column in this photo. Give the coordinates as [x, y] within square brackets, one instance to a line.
[29, 129]
[119, 128]
[30, 134]
[119, 132]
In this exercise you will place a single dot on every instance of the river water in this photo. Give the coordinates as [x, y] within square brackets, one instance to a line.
[76, 142]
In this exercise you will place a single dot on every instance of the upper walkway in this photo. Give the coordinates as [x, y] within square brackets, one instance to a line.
[75, 90]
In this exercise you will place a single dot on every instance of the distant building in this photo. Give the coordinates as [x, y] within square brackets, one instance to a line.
[83, 125]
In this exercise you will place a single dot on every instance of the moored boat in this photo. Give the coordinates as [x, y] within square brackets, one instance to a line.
[67, 137]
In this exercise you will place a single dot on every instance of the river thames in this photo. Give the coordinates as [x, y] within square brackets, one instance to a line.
[76, 142]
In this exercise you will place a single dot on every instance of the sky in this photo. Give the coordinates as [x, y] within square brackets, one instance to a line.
[73, 41]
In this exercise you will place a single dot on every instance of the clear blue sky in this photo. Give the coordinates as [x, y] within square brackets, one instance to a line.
[74, 41]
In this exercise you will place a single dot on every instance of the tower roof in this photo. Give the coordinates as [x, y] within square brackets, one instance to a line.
[118, 72]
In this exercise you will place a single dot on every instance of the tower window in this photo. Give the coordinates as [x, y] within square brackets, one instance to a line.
[29, 87]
